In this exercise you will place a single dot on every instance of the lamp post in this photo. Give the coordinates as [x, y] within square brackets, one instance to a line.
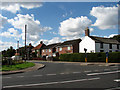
[85, 54]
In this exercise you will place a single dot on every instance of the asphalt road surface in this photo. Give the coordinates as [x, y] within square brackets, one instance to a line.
[66, 75]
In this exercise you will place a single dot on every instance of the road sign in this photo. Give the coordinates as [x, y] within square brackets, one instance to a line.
[85, 49]
[107, 54]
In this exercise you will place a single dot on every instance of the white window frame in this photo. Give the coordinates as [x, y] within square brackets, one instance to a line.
[60, 48]
[49, 50]
[68, 48]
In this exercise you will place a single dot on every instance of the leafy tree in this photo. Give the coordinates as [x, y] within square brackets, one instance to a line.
[9, 52]
[117, 37]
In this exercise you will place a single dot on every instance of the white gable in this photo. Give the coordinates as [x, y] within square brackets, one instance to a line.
[87, 43]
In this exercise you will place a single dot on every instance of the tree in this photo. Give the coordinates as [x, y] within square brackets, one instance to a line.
[9, 52]
[117, 37]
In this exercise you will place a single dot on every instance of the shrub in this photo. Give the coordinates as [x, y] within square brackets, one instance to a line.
[91, 57]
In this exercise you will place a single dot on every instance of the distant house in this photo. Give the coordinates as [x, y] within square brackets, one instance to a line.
[98, 44]
[56, 49]
[38, 49]
[21, 51]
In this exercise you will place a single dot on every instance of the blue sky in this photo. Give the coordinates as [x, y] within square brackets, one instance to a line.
[54, 22]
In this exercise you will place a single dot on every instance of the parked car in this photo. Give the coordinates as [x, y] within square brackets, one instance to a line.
[16, 57]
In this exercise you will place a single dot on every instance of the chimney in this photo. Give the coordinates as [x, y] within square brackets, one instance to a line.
[87, 33]
[41, 42]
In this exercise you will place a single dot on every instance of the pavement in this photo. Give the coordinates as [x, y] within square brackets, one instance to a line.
[81, 63]
[36, 67]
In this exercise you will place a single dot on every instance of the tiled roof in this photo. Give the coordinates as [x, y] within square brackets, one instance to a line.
[70, 42]
[39, 46]
[51, 45]
[104, 40]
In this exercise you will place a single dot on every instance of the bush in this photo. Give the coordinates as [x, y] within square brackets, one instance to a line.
[91, 57]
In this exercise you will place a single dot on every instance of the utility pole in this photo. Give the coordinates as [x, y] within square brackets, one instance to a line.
[25, 43]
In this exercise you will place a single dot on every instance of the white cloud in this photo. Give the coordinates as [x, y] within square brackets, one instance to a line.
[6, 45]
[11, 32]
[34, 28]
[14, 7]
[54, 40]
[74, 27]
[112, 35]
[47, 42]
[107, 17]
[3, 20]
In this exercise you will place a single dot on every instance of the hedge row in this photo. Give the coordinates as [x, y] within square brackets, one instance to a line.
[91, 57]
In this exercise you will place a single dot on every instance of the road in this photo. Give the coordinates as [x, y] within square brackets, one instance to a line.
[66, 75]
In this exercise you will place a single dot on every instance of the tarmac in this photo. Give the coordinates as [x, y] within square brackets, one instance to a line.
[39, 66]
[36, 67]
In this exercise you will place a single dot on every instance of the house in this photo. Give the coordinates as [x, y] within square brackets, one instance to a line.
[37, 51]
[56, 49]
[98, 44]
[21, 51]
[50, 50]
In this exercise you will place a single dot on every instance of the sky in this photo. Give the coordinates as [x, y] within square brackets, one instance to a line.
[53, 22]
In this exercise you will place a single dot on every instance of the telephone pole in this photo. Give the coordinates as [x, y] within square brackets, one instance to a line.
[25, 43]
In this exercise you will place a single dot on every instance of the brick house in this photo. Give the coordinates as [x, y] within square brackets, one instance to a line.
[56, 49]
[37, 51]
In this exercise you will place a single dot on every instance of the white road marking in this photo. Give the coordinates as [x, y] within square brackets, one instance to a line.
[70, 81]
[87, 71]
[62, 73]
[76, 72]
[50, 74]
[106, 69]
[20, 76]
[37, 75]
[96, 70]
[6, 77]
[104, 73]
[117, 80]
[116, 88]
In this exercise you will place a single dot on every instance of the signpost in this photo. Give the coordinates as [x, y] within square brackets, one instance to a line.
[85, 54]
[107, 54]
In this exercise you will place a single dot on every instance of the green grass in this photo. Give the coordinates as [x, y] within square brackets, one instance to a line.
[17, 67]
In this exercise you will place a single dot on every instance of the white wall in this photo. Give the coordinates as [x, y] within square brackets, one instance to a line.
[87, 43]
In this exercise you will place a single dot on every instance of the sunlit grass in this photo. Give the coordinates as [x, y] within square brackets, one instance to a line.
[17, 67]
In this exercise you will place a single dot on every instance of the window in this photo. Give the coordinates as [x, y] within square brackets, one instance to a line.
[110, 51]
[110, 46]
[68, 48]
[117, 46]
[101, 45]
[60, 49]
[101, 50]
[43, 50]
[49, 50]
[57, 49]
[46, 50]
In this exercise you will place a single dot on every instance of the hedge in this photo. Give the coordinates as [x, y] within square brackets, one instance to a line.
[91, 57]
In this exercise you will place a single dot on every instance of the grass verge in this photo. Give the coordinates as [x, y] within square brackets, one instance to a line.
[17, 67]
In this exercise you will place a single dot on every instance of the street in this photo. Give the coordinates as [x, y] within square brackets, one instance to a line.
[66, 75]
